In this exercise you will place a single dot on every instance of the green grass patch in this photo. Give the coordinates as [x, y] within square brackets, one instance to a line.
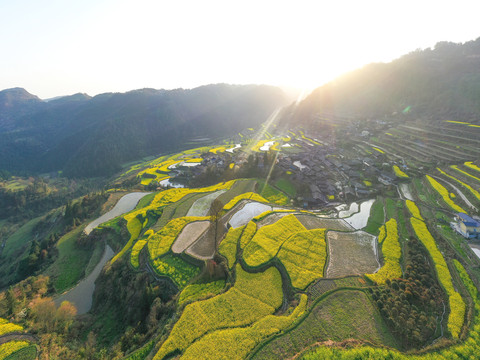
[72, 261]
[145, 201]
[141, 353]
[272, 194]
[286, 186]
[344, 314]
[376, 218]
[240, 187]
[20, 238]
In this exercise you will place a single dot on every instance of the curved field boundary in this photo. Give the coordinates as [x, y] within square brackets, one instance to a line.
[337, 252]
[466, 186]
[189, 235]
[306, 314]
[458, 191]
[444, 194]
[456, 168]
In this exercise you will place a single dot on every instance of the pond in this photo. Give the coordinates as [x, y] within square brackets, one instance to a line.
[124, 205]
[201, 207]
[82, 294]
[344, 212]
[405, 189]
[247, 213]
[234, 148]
[359, 220]
[167, 182]
[299, 165]
[476, 249]
[267, 146]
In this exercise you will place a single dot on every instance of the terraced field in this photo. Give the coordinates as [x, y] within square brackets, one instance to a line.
[294, 279]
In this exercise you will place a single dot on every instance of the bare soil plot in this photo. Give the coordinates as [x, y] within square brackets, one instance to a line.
[190, 233]
[312, 222]
[352, 253]
[204, 247]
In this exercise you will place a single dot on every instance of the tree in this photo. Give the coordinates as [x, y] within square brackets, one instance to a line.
[215, 213]
[64, 316]
[43, 311]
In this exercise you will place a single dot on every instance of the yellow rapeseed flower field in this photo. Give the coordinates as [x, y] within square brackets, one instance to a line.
[253, 297]
[444, 193]
[268, 239]
[391, 253]
[304, 255]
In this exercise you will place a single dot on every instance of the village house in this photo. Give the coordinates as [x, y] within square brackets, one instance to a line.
[466, 226]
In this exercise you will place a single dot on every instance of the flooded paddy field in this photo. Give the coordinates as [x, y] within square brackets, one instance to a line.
[313, 222]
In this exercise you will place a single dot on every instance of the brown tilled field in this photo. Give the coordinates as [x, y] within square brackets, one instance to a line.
[351, 253]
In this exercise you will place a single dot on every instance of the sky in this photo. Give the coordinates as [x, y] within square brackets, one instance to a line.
[54, 48]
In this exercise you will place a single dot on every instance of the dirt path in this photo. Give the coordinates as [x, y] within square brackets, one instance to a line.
[17, 337]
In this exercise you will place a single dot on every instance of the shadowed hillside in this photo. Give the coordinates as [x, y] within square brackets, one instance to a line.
[443, 82]
[86, 136]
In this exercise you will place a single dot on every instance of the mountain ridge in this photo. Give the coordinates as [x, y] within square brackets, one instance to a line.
[102, 132]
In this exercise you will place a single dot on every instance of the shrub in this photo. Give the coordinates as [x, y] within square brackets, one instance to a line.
[472, 190]
[236, 343]
[139, 245]
[471, 165]
[455, 167]
[413, 209]
[466, 350]
[248, 234]
[7, 327]
[159, 243]
[176, 269]
[196, 292]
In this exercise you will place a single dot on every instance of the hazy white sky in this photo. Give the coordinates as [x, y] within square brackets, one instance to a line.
[62, 47]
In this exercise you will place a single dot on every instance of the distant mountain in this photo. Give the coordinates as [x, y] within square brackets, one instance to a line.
[15, 103]
[438, 83]
[86, 136]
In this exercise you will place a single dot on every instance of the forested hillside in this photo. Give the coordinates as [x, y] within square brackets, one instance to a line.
[443, 82]
[86, 136]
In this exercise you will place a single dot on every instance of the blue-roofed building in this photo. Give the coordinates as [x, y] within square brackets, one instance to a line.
[467, 226]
